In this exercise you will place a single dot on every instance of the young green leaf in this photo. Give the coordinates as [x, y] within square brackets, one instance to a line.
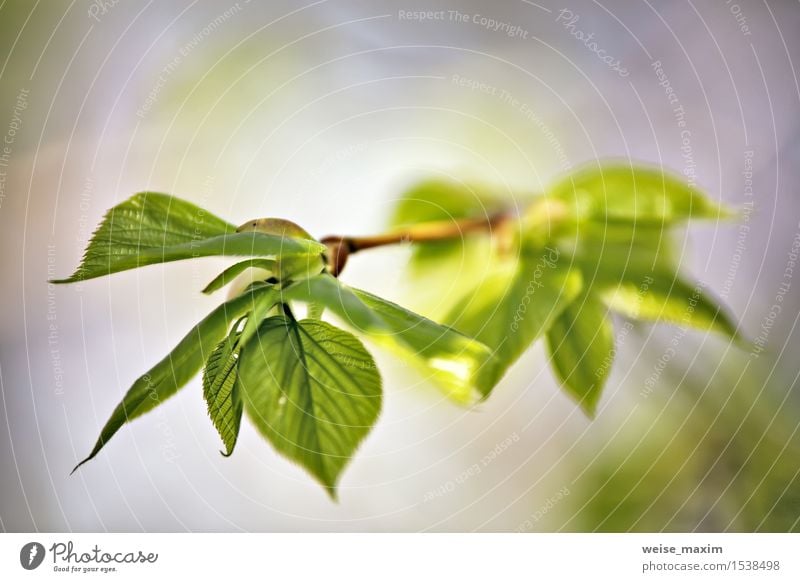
[514, 306]
[619, 192]
[221, 389]
[616, 252]
[435, 200]
[462, 366]
[315, 310]
[581, 346]
[228, 275]
[175, 370]
[465, 368]
[152, 228]
[268, 297]
[662, 295]
[312, 390]
[339, 298]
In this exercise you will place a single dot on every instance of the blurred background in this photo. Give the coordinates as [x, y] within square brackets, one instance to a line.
[323, 112]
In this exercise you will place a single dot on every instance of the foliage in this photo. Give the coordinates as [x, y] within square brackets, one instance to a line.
[596, 242]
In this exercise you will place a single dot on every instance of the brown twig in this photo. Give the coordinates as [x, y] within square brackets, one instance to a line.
[341, 247]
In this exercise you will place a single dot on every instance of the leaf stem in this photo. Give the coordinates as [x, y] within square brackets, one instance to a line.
[288, 312]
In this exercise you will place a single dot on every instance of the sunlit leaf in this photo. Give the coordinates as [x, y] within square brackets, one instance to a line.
[610, 253]
[152, 228]
[436, 200]
[433, 286]
[465, 368]
[513, 307]
[619, 192]
[581, 346]
[462, 366]
[312, 390]
[666, 296]
[338, 298]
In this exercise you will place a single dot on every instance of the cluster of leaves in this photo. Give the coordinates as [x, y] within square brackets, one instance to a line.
[596, 240]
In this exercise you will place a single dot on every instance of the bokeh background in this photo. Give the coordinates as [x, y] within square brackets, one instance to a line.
[322, 112]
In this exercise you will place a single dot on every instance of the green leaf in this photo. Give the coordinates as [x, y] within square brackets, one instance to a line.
[619, 192]
[295, 268]
[515, 305]
[462, 366]
[152, 228]
[435, 200]
[662, 295]
[313, 391]
[581, 346]
[339, 298]
[268, 297]
[315, 310]
[433, 287]
[634, 270]
[228, 275]
[221, 390]
[175, 370]
[611, 253]
[465, 368]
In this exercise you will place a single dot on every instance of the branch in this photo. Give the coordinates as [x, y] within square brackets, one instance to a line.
[341, 247]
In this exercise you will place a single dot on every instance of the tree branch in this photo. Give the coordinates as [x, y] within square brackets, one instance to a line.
[341, 247]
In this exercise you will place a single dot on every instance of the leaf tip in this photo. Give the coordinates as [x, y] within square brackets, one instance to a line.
[725, 212]
[741, 341]
[589, 408]
[79, 465]
[332, 492]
